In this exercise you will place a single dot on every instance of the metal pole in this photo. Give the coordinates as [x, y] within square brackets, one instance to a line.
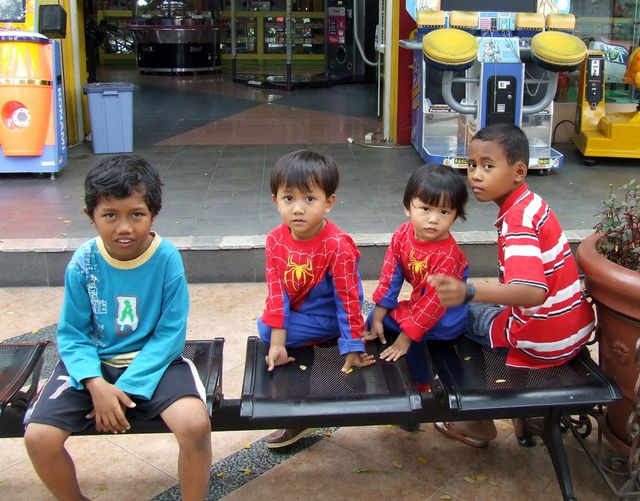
[288, 41]
[388, 44]
[233, 40]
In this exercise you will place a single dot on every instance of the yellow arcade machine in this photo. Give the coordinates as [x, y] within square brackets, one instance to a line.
[498, 64]
[601, 134]
[32, 115]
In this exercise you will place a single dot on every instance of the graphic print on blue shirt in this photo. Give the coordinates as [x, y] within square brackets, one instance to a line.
[127, 315]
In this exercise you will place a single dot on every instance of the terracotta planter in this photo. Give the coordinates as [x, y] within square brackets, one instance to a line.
[616, 291]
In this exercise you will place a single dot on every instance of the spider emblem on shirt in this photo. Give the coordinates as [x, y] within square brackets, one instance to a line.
[417, 267]
[297, 275]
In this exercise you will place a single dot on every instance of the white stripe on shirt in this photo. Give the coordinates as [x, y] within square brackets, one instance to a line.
[522, 251]
[576, 338]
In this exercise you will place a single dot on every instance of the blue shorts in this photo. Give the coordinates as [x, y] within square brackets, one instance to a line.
[65, 407]
[480, 316]
[303, 329]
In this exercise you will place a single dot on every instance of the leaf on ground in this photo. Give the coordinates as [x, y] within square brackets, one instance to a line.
[499, 381]
[220, 474]
[67, 221]
[481, 477]
[247, 471]
[422, 460]
[471, 480]
[303, 367]
[359, 469]
[491, 482]
[328, 433]
[177, 222]
[34, 331]
[248, 446]
[388, 426]
[445, 496]
[505, 427]
[397, 464]
[467, 358]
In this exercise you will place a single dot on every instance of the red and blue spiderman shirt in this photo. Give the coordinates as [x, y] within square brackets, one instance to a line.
[412, 260]
[318, 276]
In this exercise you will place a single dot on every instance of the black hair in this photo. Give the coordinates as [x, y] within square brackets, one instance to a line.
[437, 185]
[510, 138]
[118, 177]
[303, 169]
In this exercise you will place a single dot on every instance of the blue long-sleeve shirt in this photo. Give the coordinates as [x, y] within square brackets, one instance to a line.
[131, 313]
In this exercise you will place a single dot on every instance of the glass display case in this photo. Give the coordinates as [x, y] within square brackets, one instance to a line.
[261, 30]
[176, 35]
[307, 31]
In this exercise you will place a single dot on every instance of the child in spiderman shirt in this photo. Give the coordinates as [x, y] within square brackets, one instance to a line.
[314, 288]
[434, 198]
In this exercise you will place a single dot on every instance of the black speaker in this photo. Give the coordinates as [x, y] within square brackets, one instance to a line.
[52, 21]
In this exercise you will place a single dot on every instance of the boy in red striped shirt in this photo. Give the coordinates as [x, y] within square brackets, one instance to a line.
[543, 318]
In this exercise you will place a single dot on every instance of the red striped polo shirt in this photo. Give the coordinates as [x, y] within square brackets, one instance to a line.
[533, 250]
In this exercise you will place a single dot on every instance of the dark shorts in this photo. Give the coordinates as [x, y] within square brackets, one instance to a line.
[64, 407]
[480, 317]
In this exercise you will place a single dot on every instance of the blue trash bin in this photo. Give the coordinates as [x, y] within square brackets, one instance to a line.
[111, 116]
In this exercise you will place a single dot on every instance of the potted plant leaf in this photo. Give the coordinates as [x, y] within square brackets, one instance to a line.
[610, 261]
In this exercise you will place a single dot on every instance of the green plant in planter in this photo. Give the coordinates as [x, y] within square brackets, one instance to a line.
[620, 227]
[610, 261]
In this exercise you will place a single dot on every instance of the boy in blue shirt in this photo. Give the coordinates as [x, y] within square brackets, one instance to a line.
[120, 336]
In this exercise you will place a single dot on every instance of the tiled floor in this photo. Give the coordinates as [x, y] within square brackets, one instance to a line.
[374, 462]
[216, 141]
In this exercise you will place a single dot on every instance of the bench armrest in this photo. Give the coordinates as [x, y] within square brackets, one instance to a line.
[18, 363]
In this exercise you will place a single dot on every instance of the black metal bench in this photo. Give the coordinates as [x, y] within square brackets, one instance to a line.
[468, 382]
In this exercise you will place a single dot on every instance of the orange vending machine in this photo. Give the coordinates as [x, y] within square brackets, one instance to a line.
[32, 118]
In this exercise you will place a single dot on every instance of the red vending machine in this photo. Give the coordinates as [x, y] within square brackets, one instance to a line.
[32, 117]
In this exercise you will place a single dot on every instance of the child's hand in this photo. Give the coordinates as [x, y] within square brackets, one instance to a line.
[109, 405]
[277, 356]
[357, 359]
[398, 349]
[451, 291]
[375, 331]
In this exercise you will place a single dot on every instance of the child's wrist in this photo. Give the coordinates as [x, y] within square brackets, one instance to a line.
[469, 293]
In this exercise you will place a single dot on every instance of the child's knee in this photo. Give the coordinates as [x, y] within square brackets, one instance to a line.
[194, 429]
[43, 439]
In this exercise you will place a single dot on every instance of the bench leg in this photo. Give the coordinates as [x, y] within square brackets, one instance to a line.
[553, 440]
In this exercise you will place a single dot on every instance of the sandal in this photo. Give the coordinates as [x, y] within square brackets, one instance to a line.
[451, 432]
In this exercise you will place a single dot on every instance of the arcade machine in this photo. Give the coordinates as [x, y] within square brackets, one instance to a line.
[350, 23]
[601, 134]
[473, 69]
[32, 115]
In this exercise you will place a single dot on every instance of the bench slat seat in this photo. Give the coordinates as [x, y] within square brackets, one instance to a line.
[475, 377]
[20, 362]
[314, 390]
